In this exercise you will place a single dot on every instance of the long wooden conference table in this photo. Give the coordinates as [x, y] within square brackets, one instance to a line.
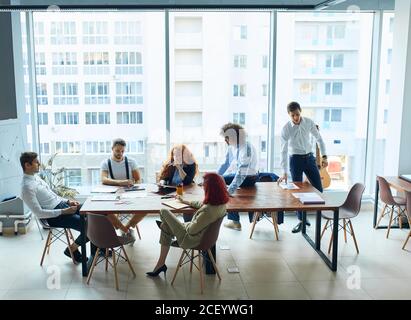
[263, 197]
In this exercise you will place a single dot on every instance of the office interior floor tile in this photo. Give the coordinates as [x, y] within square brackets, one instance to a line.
[268, 269]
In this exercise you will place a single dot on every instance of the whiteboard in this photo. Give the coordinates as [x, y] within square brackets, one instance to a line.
[11, 146]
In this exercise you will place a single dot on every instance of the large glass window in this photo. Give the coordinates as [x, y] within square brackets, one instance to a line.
[128, 63]
[219, 73]
[97, 93]
[100, 89]
[63, 32]
[223, 78]
[383, 108]
[323, 62]
[65, 93]
[64, 63]
[129, 93]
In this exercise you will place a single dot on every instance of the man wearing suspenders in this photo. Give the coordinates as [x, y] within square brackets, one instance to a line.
[119, 170]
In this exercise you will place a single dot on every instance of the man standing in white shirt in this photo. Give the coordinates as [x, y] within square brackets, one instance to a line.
[120, 170]
[296, 137]
[46, 204]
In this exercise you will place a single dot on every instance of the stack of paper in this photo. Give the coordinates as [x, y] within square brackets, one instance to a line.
[309, 197]
[289, 186]
[175, 204]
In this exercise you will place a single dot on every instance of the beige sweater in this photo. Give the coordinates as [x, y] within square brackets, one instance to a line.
[204, 216]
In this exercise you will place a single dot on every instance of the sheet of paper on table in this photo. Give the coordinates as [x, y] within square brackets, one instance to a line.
[105, 197]
[133, 195]
[289, 186]
[104, 189]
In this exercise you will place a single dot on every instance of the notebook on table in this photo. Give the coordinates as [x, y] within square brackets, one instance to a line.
[309, 198]
[175, 204]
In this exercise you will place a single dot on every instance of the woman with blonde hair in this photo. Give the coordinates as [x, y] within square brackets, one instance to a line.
[180, 167]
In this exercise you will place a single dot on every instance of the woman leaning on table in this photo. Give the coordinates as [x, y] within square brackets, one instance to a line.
[189, 234]
[180, 167]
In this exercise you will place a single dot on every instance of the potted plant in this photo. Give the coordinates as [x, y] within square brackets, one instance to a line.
[55, 179]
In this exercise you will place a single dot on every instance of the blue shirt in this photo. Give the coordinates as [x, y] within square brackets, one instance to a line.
[241, 162]
[176, 180]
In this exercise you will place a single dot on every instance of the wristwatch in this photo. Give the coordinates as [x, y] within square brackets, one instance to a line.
[325, 157]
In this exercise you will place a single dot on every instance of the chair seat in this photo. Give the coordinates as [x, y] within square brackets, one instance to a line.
[400, 201]
[343, 214]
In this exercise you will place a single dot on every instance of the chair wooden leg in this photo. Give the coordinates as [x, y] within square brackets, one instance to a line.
[115, 268]
[68, 246]
[106, 258]
[325, 228]
[399, 216]
[256, 216]
[275, 224]
[45, 248]
[345, 231]
[71, 235]
[191, 260]
[51, 239]
[93, 265]
[128, 261]
[200, 267]
[383, 212]
[138, 232]
[331, 242]
[406, 241]
[353, 236]
[210, 254]
[389, 225]
[178, 266]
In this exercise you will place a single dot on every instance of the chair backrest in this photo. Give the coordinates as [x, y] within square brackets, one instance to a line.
[101, 231]
[353, 201]
[210, 236]
[385, 191]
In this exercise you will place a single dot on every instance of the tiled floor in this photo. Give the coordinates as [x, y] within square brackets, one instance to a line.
[269, 269]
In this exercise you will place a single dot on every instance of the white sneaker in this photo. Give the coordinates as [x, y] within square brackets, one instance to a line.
[233, 225]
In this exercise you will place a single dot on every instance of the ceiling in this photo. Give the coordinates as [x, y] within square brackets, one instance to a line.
[286, 4]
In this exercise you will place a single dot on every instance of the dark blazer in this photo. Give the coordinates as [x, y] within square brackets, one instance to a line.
[189, 169]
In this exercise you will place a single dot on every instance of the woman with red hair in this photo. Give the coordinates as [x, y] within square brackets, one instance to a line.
[189, 234]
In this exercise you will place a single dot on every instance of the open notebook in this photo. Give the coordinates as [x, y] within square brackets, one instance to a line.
[175, 204]
[309, 197]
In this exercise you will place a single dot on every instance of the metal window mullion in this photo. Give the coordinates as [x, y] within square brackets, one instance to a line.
[31, 64]
[370, 147]
[271, 94]
[167, 77]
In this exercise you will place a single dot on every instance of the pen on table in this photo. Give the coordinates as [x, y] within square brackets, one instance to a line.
[167, 197]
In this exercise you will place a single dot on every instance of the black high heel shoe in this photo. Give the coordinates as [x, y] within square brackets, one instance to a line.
[163, 268]
[159, 224]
